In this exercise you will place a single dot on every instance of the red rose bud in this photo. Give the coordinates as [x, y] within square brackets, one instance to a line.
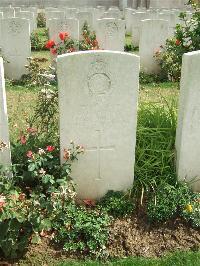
[63, 35]
[50, 44]
[50, 148]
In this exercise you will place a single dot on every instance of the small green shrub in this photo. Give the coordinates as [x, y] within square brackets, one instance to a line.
[151, 78]
[130, 48]
[41, 20]
[117, 204]
[81, 230]
[168, 201]
[162, 205]
[191, 210]
[39, 39]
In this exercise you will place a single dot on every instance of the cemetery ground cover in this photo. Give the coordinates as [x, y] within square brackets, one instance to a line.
[154, 159]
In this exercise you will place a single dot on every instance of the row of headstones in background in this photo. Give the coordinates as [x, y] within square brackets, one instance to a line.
[109, 86]
[87, 14]
[133, 20]
[110, 32]
[26, 13]
[15, 45]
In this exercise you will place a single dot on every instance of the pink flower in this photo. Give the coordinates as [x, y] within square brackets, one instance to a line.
[29, 154]
[54, 51]
[66, 155]
[50, 148]
[178, 42]
[23, 139]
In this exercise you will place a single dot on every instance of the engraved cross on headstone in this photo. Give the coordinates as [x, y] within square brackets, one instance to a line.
[100, 148]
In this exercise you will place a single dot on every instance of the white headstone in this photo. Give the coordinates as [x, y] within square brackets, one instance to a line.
[54, 14]
[8, 12]
[188, 130]
[136, 24]
[172, 19]
[111, 34]
[153, 34]
[112, 14]
[128, 19]
[104, 87]
[98, 13]
[16, 46]
[84, 17]
[71, 12]
[5, 157]
[70, 25]
[27, 15]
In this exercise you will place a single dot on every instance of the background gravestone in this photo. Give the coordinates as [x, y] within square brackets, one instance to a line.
[70, 25]
[111, 34]
[16, 46]
[98, 92]
[84, 17]
[153, 34]
[5, 158]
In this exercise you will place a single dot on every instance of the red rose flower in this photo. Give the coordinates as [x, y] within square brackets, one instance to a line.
[50, 44]
[178, 42]
[63, 35]
[29, 154]
[50, 148]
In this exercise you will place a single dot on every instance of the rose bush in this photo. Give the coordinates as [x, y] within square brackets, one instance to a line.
[186, 39]
[68, 45]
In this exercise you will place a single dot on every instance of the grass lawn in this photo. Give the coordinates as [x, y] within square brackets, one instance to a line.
[176, 259]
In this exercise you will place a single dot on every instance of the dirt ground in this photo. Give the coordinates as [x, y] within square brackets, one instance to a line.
[135, 237]
[131, 236]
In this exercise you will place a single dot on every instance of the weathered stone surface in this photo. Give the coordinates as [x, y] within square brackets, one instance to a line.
[98, 92]
[70, 25]
[111, 34]
[5, 157]
[188, 130]
[136, 24]
[84, 17]
[153, 34]
[30, 16]
[16, 46]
